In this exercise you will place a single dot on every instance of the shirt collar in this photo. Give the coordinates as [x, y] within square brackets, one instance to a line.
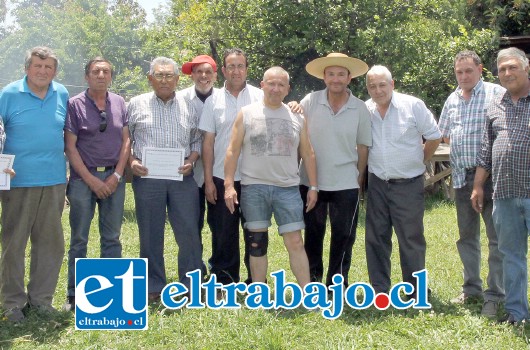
[228, 92]
[25, 88]
[476, 89]
[508, 97]
[91, 99]
[169, 102]
[323, 99]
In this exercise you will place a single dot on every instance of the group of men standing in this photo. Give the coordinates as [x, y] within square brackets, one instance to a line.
[242, 145]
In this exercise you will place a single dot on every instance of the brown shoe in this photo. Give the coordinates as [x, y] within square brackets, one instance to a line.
[153, 297]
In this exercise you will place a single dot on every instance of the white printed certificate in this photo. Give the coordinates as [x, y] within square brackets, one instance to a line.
[163, 163]
[6, 162]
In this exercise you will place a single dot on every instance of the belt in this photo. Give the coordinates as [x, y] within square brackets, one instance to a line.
[101, 169]
[400, 181]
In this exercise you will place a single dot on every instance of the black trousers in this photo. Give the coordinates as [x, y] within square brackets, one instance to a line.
[343, 214]
[225, 260]
[401, 206]
[202, 210]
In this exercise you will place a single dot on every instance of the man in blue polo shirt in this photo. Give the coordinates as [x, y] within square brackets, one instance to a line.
[33, 110]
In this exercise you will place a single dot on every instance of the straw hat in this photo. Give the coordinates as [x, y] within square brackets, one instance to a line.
[355, 66]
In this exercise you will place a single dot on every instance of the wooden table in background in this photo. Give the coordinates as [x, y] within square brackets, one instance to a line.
[440, 171]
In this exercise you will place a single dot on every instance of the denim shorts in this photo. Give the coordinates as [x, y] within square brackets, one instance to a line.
[259, 202]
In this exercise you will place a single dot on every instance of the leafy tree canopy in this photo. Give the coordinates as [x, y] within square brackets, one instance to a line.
[79, 30]
[416, 39]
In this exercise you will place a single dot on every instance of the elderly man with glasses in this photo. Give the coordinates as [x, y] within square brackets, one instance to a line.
[97, 145]
[168, 122]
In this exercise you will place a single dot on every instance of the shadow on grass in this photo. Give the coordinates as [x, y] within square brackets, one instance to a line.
[35, 328]
[373, 315]
[433, 201]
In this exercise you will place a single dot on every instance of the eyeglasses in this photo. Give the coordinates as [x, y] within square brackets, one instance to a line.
[160, 77]
[233, 67]
[103, 122]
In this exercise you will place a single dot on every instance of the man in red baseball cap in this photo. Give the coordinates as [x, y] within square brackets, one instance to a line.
[203, 71]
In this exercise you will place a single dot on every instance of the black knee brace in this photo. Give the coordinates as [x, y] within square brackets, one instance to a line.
[258, 243]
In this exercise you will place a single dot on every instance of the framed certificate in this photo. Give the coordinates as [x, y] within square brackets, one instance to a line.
[163, 163]
[6, 162]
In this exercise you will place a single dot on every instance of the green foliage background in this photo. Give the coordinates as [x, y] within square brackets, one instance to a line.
[416, 39]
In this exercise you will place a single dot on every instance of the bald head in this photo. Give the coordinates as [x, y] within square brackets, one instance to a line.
[277, 71]
[275, 86]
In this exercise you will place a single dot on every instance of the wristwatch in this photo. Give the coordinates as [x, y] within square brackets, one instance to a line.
[313, 188]
[118, 176]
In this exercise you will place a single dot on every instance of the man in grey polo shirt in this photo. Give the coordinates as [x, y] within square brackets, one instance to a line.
[339, 129]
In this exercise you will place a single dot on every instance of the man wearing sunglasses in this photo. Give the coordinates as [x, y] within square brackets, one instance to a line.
[97, 145]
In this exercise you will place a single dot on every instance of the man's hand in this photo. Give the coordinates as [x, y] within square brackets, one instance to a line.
[477, 198]
[360, 181]
[138, 169]
[112, 182]
[312, 197]
[186, 168]
[100, 188]
[11, 172]
[231, 199]
[295, 107]
[210, 191]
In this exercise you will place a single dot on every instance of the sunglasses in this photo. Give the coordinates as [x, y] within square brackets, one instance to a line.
[103, 122]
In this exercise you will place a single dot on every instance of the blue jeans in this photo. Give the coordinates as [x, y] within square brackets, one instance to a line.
[82, 206]
[512, 222]
[181, 198]
[259, 202]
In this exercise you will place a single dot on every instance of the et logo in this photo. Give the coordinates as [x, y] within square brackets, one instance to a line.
[111, 294]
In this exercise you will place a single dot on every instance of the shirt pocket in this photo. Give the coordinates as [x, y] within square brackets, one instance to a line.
[457, 134]
[402, 129]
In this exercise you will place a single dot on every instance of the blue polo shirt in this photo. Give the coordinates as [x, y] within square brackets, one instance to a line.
[34, 133]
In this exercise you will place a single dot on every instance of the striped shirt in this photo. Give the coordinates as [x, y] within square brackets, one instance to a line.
[153, 123]
[505, 148]
[463, 123]
[190, 94]
[218, 116]
[397, 145]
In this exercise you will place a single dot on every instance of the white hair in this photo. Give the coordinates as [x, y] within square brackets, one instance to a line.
[163, 61]
[513, 52]
[379, 70]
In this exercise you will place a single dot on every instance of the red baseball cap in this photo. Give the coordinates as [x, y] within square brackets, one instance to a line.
[188, 66]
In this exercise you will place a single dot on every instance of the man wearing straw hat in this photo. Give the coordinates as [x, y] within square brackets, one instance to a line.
[395, 177]
[340, 132]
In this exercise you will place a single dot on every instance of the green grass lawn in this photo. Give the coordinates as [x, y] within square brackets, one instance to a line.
[445, 326]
